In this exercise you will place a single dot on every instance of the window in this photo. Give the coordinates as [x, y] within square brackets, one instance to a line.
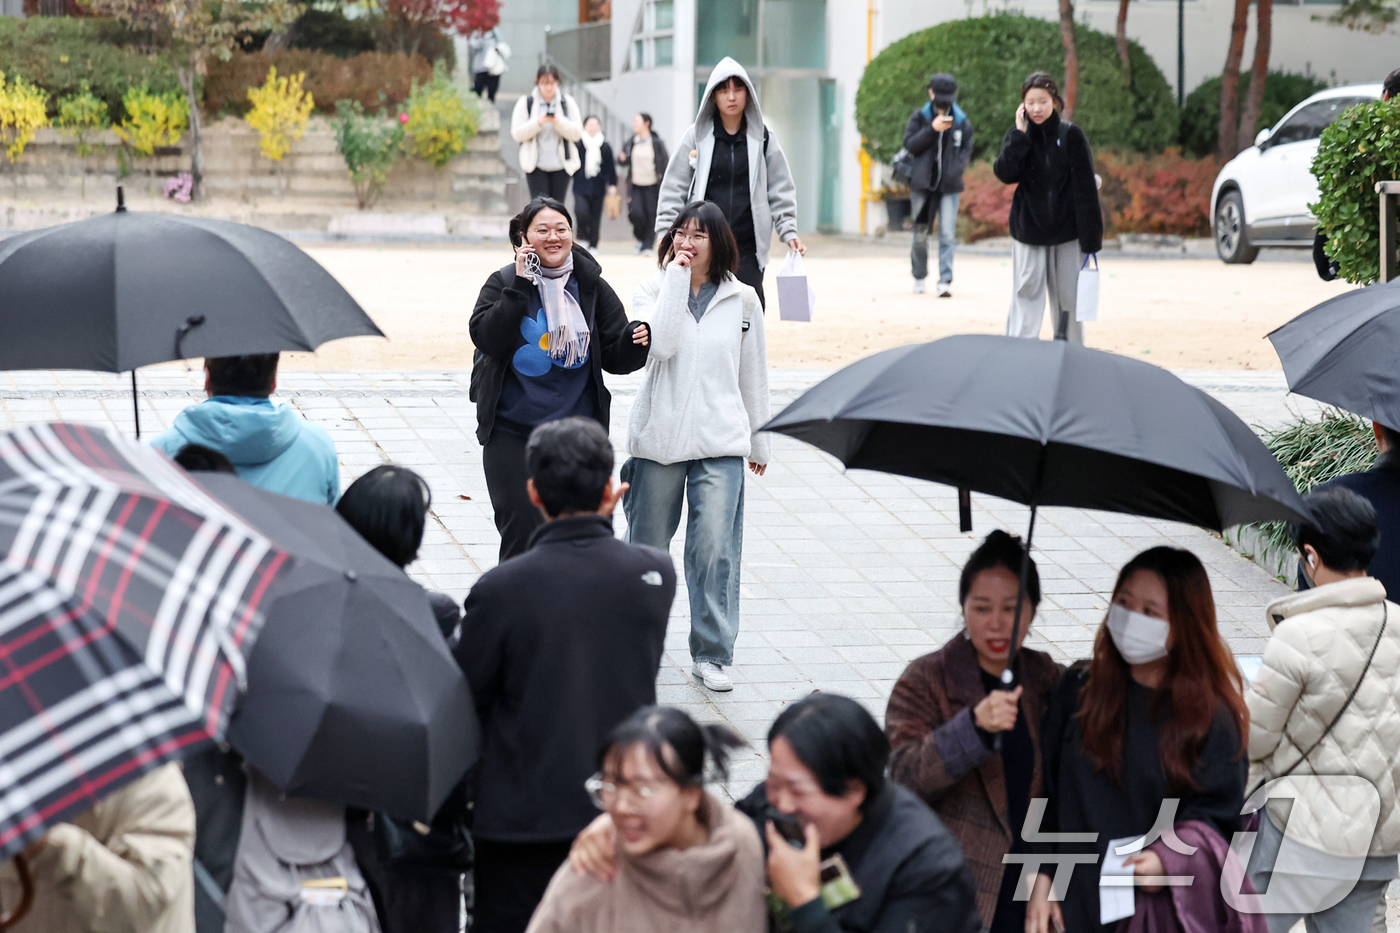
[653, 41]
[794, 34]
[1309, 122]
[726, 27]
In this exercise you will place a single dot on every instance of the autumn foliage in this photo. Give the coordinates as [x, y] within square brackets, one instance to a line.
[362, 78]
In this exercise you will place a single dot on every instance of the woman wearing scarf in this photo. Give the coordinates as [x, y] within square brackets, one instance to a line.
[597, 180]
[696, 421]
[545, 328]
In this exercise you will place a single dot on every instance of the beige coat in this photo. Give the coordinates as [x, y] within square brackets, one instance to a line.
[525, 126]
[1319, 647]
[121, 867]
[717, 886]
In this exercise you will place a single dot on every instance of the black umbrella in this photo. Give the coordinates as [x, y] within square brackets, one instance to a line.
[126, 289]
[1046, 423]
[353, 696]
[1346, 352]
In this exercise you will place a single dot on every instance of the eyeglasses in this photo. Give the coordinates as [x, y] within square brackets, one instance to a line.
[605, 794]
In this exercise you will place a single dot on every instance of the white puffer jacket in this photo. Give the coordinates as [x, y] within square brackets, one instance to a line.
[1319, 647]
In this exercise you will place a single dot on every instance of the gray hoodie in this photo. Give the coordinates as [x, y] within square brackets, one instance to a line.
[774, 196]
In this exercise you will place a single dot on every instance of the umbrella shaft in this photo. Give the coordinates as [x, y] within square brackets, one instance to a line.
[135, 401]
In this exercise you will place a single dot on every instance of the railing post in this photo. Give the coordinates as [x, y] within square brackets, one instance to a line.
[1389, 192]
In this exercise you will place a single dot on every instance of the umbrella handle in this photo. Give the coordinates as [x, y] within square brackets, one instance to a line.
[26, 899]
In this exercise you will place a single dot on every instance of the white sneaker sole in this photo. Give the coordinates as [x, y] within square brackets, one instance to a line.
[724, 687]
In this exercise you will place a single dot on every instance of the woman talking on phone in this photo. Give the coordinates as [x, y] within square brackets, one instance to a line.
[1055, 215]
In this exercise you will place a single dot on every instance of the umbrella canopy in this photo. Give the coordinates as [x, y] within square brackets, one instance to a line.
[353, 696]
[1046, 423]
[1346, 352]
[128, 289]
[128, 596]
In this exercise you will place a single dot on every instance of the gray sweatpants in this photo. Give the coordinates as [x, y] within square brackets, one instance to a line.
[1035, 270]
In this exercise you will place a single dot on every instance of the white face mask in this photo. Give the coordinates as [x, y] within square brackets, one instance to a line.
[1139, 638]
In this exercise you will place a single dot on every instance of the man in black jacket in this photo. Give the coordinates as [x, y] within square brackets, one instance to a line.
[1380, 486]
[559, 644]
[939, 137]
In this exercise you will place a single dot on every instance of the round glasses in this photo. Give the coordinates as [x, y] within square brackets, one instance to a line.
[605, 793]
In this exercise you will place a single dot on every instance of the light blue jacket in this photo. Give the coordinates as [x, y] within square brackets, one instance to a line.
[271, 446]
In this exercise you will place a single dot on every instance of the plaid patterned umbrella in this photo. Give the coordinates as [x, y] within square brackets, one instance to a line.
[128, 599]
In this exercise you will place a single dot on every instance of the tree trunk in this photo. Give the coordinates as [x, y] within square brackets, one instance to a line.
[1254, 98]
[1225, 147]
[1071, 88]
[1121, 37]
[185, 74]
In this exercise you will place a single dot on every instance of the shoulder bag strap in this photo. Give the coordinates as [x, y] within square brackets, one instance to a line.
[1385, 617]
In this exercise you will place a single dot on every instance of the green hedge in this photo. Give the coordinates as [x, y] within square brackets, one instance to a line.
[59, 53]
[1360, 148]
[1200, 118]
[990, 56]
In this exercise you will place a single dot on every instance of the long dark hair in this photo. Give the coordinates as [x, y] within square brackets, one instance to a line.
[724, 251]
[1201, 676]
[521, 221]
[1039, 79]
[678, 744]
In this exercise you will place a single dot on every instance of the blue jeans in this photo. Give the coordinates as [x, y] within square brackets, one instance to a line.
[922, 206]
[714, 538]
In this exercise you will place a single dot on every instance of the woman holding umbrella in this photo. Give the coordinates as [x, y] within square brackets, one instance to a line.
[1055, 215]
[969, 748]
[1156, 716]
[545, 328]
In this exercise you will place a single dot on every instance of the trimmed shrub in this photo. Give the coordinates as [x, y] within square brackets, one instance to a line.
[279, 113]
[81, 115]
[152, 120]
[60, 54]
[985, 206]
[370, 145]
[990, 56]
[440, 122]
[332, 32]
[1360, 148]
[23, 110]
[372, 79]
[1200, 118]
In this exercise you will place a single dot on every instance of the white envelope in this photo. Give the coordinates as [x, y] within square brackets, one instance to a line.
[796, 299]
[1116, 899]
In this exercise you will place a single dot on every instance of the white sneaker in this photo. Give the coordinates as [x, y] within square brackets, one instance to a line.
[920, 286]
[713, 676]
[945, 290]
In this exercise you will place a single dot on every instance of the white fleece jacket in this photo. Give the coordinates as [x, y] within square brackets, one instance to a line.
[705, 389]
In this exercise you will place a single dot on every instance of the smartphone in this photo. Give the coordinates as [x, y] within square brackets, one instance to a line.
[788, 826]
[549, 109]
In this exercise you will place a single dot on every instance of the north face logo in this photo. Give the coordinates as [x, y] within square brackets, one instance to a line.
[652, 577]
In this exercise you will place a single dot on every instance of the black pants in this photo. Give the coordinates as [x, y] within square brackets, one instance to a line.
[503, 459]
[510, 882]
[750, 274]
[484, 84]
[588, 218]
[641, 210]
[549, 184]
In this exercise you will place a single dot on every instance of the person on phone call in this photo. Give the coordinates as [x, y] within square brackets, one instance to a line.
[686, 861]
[1333, 657]
[948, 709]
[1055, 216]
[696, 421]
[547, 124]
[1156, 715]
[861, 854]
[939, 137]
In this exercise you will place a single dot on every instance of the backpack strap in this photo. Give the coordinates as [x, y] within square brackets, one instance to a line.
[1063, 132]
[748, 316]
[765, 139]
[529, 103]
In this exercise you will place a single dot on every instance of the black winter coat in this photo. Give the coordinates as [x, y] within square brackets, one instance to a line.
[909, 868]
[663, 158]
[559, 645]
[598, 185]
[939, 158]
[495, 329]
[1056, 199]
[1380, 486]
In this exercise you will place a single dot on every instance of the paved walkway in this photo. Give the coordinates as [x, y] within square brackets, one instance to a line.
[847, 576]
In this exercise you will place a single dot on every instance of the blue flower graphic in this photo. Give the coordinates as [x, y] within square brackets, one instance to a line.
[533, 358]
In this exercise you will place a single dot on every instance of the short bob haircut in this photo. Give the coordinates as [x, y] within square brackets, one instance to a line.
[724, 251]
[999, 549]
[251, 376]
[520, 223]
[676, 742]
[196, 458]
[571, 461]
[548, 71]
[1343, 529]
[388, 506]
[839, 742]
[1039, 79]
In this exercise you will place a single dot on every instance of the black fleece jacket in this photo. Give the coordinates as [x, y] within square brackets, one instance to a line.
[1056, 198]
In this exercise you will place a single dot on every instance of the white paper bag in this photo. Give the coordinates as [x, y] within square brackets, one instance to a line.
[1086, 303]
[796, 299]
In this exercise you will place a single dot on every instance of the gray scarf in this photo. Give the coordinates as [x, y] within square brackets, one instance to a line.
[568, 330]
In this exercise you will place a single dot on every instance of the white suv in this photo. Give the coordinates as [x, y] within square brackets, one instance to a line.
[1261, 196]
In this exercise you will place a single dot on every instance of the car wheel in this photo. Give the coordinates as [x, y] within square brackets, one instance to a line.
[1231, 241]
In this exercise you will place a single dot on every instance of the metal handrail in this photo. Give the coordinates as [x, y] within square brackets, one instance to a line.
[614, 129]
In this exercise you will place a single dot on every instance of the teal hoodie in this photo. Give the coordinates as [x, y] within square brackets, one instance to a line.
[271, 446]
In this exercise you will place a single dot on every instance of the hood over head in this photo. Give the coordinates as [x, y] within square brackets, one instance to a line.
[249, 431]
[705, 117]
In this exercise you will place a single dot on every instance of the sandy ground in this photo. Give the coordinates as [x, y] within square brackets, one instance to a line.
[1178, 313]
